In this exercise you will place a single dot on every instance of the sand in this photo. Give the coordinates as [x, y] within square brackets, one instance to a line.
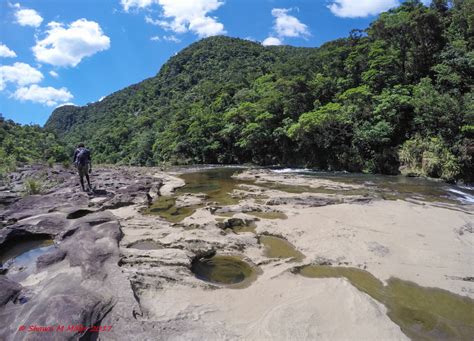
[428, 245]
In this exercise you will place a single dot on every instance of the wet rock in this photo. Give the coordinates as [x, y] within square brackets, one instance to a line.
[129, 195]
[34, 205]
[52, 223]
[68, 303]
[97, 244]
[50, 258]
[309, 201]
[17, 233]
[7, 197]
[357, 200]
[234, 222]
[83, 281]
[190, 200]
[9, 291]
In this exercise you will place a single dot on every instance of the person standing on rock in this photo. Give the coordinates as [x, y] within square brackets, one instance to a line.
[82, 160]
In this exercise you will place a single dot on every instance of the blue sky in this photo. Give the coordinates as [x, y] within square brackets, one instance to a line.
[76, 51]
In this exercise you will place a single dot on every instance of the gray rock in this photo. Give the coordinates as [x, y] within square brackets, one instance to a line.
[50, 258]
[84, 281]
[9, 290]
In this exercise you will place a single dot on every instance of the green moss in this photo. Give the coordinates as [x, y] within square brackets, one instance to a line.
[422, 313]
[280, 248]
[225, 214]
[165, 207]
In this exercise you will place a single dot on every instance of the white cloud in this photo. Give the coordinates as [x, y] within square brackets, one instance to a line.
[155, 38]
[6, 52]
[53, 74]
[27, 17]
[100, 99]
[20, 74]
[67, 46]
[127, 4]
[271, 41]
[181, 16]
[287, 25]
[172, 38]
[150, 20]
[45, 95]
[360, 8]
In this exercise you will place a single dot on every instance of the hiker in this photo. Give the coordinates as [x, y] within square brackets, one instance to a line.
[82, 160]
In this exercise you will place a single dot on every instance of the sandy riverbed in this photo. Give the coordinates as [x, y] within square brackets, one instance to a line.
[420, 242]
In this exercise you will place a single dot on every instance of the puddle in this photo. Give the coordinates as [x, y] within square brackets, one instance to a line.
[245, 228]
[227, 270]
[217, 184]
[145, 245]
[19, 255]
[422, 313]
[280, 248]
[166, 208]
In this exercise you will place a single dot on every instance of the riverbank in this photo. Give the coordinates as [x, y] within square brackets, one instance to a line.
[161, 223]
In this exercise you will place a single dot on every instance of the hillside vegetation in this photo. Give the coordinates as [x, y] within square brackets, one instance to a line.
[396, 94]
[24, 144]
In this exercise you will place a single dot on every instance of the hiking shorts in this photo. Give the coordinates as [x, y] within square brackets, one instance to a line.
[83, 170]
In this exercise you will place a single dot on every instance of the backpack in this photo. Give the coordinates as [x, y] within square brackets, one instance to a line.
[83, 156]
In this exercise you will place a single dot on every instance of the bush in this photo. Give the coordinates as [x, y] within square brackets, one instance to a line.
[429, 157]
[66, 164]
[32, 186]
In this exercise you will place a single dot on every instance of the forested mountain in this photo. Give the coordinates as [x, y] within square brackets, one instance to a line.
[23, 144]
[396, 94]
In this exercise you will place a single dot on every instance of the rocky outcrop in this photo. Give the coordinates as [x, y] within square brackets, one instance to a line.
[79, 281]
[128, 270]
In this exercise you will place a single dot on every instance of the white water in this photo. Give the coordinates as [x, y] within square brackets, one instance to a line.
[463, 196]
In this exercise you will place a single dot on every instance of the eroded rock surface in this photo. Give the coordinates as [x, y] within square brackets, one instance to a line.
[95, 276]
[79, 281]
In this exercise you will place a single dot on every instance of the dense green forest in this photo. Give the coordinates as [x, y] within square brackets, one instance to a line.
[396, 96]
[24, 144]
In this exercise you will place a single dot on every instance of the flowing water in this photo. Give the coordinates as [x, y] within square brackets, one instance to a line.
[389, 186]
[217, 184]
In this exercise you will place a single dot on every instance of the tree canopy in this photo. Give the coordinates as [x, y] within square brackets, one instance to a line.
[398, 94]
